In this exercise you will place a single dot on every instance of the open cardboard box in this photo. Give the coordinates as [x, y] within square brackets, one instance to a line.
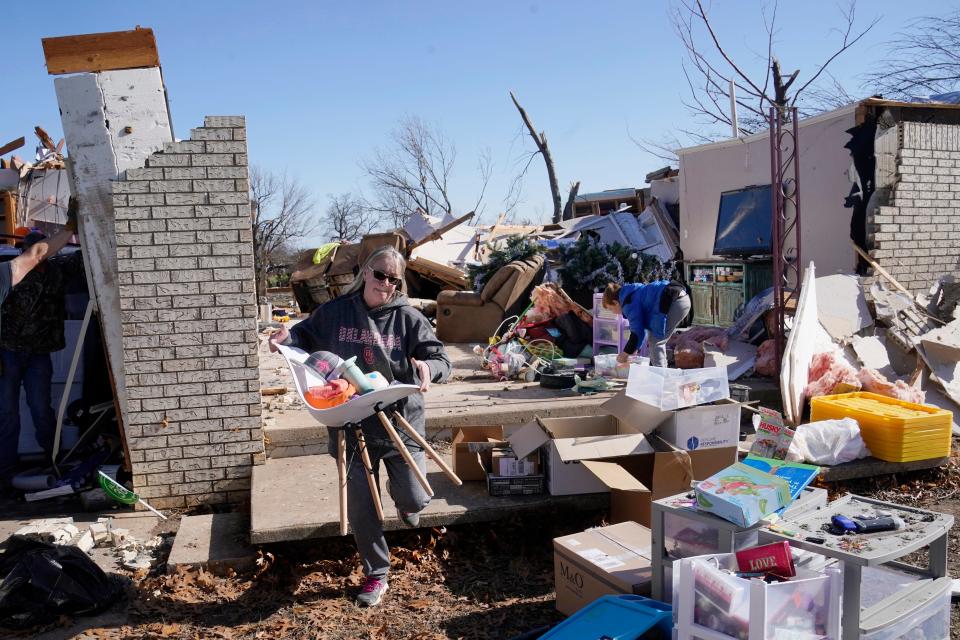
[568, 441]
[468, 463]
[593, 454]
[612, 453]
[636, 481]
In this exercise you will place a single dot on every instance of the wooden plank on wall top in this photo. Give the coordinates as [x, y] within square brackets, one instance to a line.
[101, 51]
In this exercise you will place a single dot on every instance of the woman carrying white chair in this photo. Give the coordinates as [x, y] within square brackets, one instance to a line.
[374, 322]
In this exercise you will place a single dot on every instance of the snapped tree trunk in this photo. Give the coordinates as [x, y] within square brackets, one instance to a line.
[568, 208]
[540, 139]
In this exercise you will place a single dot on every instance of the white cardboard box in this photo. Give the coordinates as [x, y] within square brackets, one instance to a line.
[708, 426]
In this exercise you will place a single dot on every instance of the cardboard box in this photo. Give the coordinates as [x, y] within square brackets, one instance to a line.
[742, 494]
[636, 481]
[708, 426]
[635, 416]
[507, 464]
[602, 561]
[468, 460]
[567, 442]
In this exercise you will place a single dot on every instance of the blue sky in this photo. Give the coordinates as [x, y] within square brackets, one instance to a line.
[322, 84]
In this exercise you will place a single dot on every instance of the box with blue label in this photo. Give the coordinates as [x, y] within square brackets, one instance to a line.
[708, 426]
[742, 494]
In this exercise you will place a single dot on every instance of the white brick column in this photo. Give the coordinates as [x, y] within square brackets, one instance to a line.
[189, 318]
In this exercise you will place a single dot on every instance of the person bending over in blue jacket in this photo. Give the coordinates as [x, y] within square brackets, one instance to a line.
[655, 309]
[374, 321]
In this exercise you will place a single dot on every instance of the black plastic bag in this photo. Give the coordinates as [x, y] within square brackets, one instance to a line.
[575, 334]
[43, 581]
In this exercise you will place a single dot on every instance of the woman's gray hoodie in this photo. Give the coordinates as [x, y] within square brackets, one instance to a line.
[383, 339]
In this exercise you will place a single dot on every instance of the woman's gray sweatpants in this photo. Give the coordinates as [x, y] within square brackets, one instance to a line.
[407, 494]
[675, 315]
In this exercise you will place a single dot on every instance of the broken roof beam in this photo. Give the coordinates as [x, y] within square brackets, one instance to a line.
[436, 235]
[101, 52]
[13, 145]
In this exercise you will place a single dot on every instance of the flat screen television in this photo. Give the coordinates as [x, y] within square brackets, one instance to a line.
[744, 223]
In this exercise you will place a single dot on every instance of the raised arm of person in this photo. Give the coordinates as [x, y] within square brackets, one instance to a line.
[29, 259]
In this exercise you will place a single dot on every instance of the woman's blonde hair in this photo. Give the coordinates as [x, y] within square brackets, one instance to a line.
[387, 252]
[611, 295]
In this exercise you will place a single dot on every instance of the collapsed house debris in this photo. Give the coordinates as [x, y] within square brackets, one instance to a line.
[713, 516]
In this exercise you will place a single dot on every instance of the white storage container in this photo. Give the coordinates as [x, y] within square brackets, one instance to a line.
[605, 364]
[687, 538]
[711, 603]
[670, 389]
[920, 612]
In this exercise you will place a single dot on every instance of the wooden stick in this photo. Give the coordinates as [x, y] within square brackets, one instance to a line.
[404, 452]
[886, 274]
[342, 478]
[371, 479]
[273, 391]
[427, 448]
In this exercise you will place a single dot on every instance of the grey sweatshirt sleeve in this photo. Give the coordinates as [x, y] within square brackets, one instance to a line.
[429, 349]
[301, 334]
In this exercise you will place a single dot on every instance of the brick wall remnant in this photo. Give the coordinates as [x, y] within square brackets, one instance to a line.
[188, 312]
[917, 238]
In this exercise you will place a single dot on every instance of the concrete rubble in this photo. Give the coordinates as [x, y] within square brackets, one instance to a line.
[134, 554]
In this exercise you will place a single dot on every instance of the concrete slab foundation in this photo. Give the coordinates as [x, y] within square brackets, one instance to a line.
[216, 541]
[296, 499]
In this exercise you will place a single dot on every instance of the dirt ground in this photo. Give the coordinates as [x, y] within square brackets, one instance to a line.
[472, 582]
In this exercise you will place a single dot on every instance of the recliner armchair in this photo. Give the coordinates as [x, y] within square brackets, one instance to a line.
[468, 316]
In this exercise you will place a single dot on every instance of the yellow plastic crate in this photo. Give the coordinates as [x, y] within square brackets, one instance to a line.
[894, 430]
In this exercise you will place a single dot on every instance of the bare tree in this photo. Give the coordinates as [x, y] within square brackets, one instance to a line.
[281, 211]
[543, 149]
[540, 139]
[710, 70]
[925, 58]
[347, 218]
[414, 172]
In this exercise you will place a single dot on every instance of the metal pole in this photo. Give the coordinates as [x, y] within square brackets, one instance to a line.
[785, 218]
[775, 235]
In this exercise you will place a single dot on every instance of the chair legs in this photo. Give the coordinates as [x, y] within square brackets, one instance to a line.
[368, 467]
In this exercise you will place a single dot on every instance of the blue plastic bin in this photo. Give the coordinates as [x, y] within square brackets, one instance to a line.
[625, 617]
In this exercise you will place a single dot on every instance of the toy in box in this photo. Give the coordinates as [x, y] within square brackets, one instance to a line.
[742, 494]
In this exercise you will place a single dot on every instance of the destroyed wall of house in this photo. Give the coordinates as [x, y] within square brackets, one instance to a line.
[917, 237]
[706, 171]
[188, 312]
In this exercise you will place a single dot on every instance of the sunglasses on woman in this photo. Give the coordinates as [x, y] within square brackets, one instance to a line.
[382, 277]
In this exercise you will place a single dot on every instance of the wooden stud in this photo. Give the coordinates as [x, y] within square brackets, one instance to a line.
[45, 138]
[12, 145]
[101, 51]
